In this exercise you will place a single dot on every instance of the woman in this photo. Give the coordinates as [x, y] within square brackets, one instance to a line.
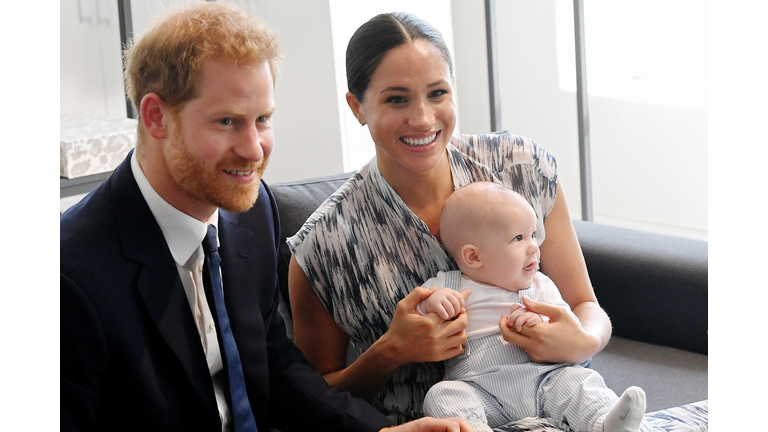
[360, 258]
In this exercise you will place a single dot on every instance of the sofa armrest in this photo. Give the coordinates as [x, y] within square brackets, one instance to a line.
[654, 287]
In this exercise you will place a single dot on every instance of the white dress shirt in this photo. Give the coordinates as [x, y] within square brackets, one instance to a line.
[184, 236]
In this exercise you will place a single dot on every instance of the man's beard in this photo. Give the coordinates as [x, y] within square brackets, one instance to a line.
[201, 184]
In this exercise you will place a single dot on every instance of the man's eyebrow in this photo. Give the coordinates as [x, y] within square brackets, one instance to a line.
[228, 112]
[235, 112]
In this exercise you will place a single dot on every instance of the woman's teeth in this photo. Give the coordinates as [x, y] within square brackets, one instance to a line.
[420, 142]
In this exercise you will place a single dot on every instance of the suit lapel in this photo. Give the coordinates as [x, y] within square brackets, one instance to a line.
[239, 274]
[158, 282]
[248, 278]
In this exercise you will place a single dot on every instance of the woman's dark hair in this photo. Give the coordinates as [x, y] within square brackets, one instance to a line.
[373, 40]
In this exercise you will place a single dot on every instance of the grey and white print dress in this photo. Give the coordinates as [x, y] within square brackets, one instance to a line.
[363, 249]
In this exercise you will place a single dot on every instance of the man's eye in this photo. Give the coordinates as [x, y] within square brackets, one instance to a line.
[262, 119]
[225, 121]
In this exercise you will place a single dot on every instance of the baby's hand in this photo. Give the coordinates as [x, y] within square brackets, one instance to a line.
[445, 302]
[520, 316]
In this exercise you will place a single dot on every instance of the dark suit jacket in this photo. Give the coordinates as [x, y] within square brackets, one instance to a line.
[131, 356]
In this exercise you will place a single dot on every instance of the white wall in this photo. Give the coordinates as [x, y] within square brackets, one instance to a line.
[470, 66]
[90, 63]
[306, 123]
[649, 160]
[532, 103]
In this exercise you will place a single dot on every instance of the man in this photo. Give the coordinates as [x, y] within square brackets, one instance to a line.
[161, 332]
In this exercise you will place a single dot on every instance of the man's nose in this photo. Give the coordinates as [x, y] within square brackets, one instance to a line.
[251, 146]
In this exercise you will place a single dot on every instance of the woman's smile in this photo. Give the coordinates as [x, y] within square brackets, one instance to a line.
[420, 142]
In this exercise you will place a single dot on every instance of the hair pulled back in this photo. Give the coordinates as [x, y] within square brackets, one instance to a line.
[374, 39]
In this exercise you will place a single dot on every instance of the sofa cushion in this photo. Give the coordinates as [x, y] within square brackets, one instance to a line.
[670, 377]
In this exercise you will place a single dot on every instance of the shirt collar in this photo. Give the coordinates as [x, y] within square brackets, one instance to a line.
[183, 233]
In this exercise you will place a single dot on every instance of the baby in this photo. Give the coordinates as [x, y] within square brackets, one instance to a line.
[490, 231]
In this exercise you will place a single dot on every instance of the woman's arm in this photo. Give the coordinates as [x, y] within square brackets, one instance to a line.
[564, 340]
[411, 338]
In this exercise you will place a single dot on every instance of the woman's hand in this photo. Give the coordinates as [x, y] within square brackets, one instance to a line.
[429, 424]
[416, 338]
[562, 340]
[520, 316]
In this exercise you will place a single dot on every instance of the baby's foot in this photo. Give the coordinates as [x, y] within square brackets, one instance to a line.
[628, 412]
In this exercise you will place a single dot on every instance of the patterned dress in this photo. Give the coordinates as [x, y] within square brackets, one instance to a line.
[363, 250]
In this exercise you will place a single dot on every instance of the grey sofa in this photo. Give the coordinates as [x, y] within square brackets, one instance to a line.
[654, 288]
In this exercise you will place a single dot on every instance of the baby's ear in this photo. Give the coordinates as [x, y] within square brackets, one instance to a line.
[470, 256]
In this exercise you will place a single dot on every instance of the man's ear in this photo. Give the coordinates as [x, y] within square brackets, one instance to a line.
[155, 116]
[354, 105]
[470, 256]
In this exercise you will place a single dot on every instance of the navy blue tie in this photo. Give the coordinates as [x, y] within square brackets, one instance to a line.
[242, 416]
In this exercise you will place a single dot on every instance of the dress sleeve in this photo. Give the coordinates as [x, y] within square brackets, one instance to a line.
[530, 169]
[309, 254]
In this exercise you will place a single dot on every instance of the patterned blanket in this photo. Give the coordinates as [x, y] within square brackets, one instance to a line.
[687, 418]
